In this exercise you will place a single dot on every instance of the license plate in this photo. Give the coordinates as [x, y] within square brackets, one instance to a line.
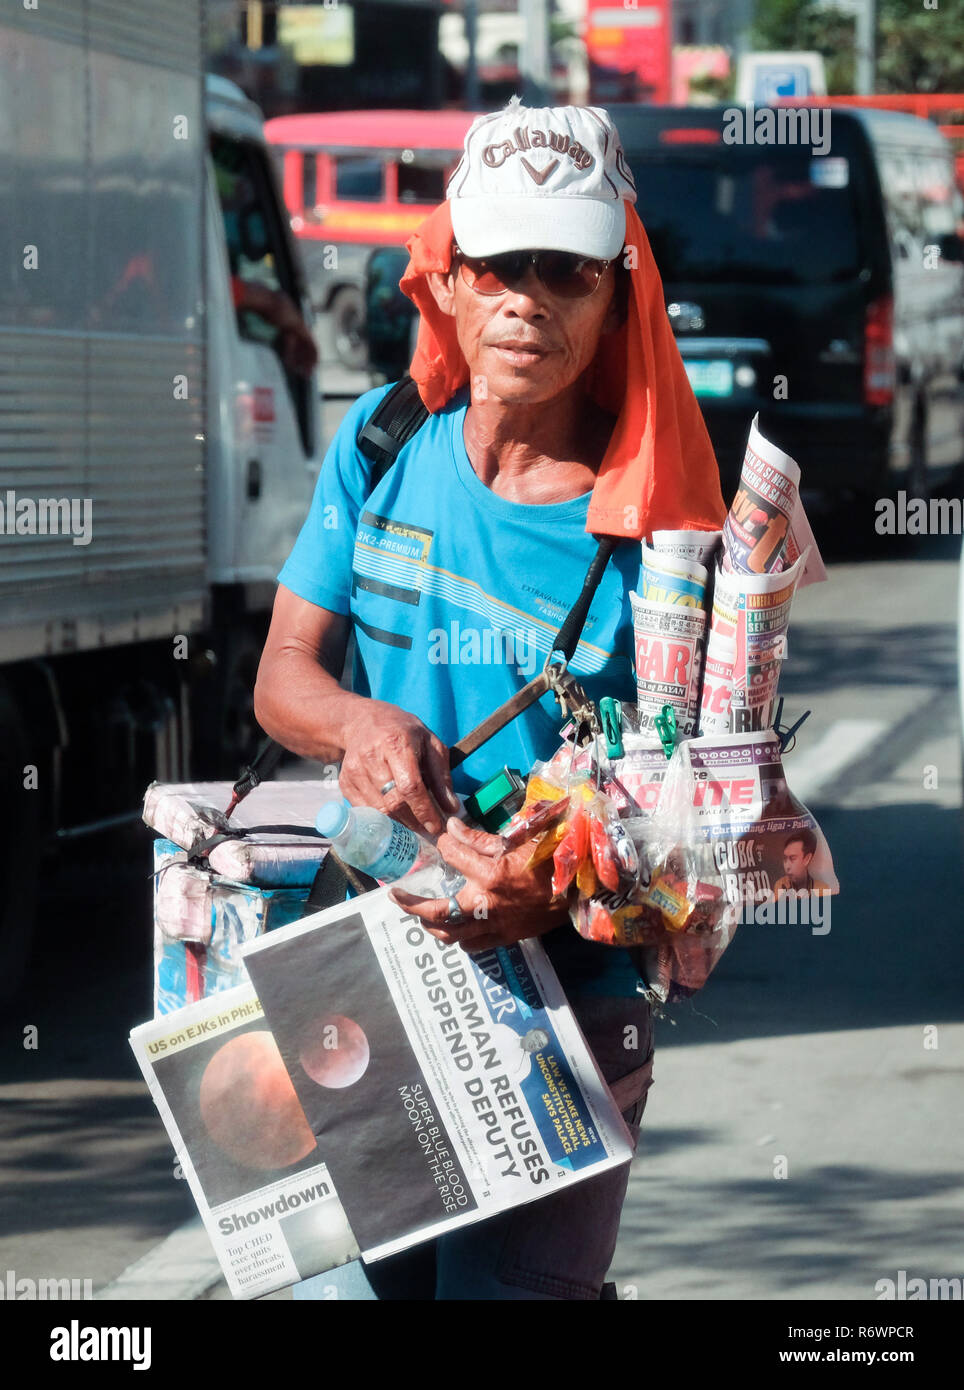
[710, 378]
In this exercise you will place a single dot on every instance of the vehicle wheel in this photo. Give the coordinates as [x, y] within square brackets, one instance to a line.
[226, 735]
[20, 847]
[348, 328]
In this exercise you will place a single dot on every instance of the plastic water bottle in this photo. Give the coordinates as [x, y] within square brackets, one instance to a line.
[371, 841]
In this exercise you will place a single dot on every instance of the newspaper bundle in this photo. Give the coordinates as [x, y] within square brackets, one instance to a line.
[768, 552]
[243, 1144]
[711, 615]
[766, 529]
[441, 1087]
[669, 626]
[746, 649]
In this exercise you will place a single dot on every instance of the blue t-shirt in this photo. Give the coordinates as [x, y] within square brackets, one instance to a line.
[455, 596]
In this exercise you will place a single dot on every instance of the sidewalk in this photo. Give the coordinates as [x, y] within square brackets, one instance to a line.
[865, 1125]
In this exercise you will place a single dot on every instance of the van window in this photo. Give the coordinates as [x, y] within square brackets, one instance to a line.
[257, 251]
[756, 214]
[309, 182]
[937, 194]
[244, 194]
[359, 178]
[421, 183]
[898, 179]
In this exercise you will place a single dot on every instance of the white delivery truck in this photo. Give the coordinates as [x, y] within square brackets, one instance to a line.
[156, 454]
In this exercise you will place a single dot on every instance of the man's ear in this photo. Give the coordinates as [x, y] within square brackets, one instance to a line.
[442, 285]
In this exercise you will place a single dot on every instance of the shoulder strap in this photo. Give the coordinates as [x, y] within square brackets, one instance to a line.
[567, 638]
[399, 415]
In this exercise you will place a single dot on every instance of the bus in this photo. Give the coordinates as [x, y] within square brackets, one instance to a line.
[354, 180]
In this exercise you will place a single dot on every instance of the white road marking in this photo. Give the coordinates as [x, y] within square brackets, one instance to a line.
[180, 1268]
[843, 742]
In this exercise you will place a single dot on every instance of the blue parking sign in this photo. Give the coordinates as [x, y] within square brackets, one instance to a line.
[783, 80]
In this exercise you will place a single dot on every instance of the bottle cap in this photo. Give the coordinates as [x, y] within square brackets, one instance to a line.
[332, 818]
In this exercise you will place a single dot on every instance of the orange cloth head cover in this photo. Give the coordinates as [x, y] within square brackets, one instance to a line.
[659, 471]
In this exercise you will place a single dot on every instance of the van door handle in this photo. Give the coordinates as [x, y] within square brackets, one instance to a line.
[253, 480]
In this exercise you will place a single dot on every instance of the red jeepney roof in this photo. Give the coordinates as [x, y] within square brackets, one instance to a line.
[395, 130]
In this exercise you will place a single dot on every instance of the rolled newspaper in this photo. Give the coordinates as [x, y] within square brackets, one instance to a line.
[766, 530]
[700, 546]
[746, 648]
[669, 626]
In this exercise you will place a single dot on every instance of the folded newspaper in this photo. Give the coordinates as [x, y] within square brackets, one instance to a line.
[372, 1085]
[264, 1194]
[442, 1087]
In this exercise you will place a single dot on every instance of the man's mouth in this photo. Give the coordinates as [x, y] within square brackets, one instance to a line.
[520, 352]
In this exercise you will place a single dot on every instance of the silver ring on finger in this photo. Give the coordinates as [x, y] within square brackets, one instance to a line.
[388, 787]
[455, 913]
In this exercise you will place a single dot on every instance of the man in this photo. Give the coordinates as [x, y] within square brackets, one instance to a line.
[798, 851]
[560, 410]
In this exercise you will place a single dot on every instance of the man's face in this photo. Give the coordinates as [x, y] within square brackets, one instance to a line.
[526, 345]
[796, 862]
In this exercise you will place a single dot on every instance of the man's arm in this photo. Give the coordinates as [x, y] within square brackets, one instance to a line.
[299, 702]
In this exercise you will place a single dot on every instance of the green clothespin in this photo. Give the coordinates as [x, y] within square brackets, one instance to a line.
[611, 717]
[665, 723]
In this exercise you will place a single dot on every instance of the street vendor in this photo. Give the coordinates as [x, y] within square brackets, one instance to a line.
[560, 412]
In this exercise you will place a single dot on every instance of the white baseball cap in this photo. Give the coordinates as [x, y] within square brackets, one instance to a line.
[549, 178]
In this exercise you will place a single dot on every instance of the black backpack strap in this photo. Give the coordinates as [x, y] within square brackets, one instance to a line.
[399, 415]
[334, 882]
[567, 638]
[268, 758]
[202, 844]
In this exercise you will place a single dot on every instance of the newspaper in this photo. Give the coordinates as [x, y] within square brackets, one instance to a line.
[442, 1087]
[242, 1142]
[700, 546]
[669, 625]
[766, 529]
[730, 822]
[746, 648]
[737, 799]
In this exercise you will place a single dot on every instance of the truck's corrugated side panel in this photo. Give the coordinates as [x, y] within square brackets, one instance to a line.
[101, 370]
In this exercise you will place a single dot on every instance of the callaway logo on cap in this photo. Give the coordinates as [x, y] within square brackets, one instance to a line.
[549, 178]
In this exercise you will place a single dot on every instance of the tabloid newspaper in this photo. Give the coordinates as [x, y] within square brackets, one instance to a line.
[243, 1144]
[442, 1088]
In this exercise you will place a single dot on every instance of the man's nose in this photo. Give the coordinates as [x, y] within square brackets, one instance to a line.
[528, 297]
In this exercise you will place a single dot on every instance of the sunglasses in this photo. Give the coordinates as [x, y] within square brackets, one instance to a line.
[563, 274]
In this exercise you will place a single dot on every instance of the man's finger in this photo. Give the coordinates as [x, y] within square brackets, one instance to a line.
[410, 790]
[433, 911]
[463, 855]
[438, 776]
[480, 840]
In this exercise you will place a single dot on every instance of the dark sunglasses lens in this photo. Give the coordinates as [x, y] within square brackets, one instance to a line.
[496, 274]
[563, 274]
[568, 276]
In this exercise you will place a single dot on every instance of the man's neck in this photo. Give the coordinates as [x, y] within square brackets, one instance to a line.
[538, 454]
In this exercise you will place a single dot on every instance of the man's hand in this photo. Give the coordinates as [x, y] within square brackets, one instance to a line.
[503, 901]
[385, 744]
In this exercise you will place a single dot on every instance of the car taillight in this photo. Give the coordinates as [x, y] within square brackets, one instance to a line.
[689, 135]
[880, 368]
